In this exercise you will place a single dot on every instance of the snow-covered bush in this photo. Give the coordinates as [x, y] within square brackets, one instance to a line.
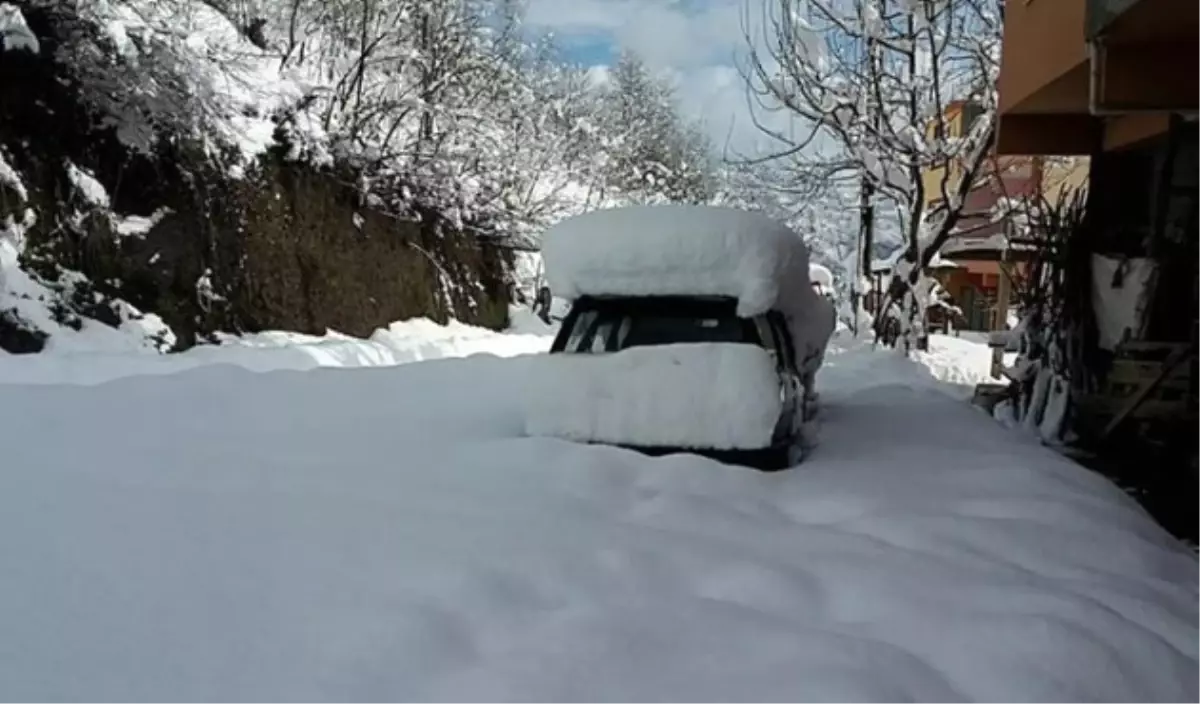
[1050, 338]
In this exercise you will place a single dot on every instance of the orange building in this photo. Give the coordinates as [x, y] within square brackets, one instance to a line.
[973, 256]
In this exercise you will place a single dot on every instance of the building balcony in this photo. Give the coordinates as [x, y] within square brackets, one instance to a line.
[1067, 62]
[1043, 65]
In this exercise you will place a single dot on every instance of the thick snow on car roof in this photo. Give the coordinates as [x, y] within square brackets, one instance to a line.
[686, 250]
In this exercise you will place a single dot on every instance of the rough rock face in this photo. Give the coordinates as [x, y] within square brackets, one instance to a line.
[284, 245]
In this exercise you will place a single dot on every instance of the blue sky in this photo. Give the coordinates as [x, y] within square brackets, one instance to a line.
[591, 51]
[693, 42]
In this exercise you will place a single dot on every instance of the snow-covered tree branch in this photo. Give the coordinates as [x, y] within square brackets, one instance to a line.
[897, 94]
[438, 107]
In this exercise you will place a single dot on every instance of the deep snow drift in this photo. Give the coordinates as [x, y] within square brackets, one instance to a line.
[97, 359]
[367, 534]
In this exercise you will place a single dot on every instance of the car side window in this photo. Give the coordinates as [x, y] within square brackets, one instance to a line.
[600, 338]
[582, 325]
[622, 333]
[611, 333]
[597, 331]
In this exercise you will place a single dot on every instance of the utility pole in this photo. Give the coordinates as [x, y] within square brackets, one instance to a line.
[866, 206]
[866, 210]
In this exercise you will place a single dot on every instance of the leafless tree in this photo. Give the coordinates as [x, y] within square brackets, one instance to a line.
[861, 91]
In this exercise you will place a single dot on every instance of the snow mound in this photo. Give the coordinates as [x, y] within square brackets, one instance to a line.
[714, 396]
[38, 306]
[686, 250]
[400, 343]
[964, 360]
[523, 321]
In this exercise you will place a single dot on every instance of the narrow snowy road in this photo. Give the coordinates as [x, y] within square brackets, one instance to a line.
[369, 534]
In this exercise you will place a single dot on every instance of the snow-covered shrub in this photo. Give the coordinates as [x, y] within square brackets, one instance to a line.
[1049, 338]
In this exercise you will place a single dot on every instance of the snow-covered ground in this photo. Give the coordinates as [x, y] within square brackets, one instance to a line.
[400, 343]
[959, 360]
[387, 533]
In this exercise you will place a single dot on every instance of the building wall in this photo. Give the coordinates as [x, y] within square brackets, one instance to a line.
[1101, 13]
[1043, 42]
[1010, 176]
[931, 179]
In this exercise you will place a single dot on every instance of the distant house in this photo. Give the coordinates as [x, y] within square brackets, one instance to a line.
[981, 246]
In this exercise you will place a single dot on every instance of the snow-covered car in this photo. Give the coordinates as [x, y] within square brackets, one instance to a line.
[696, 333]
[692, 329]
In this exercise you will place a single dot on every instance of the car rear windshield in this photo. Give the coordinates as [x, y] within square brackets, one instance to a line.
[609, 325]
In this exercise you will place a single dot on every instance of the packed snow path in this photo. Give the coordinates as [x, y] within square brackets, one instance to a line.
[385, 534]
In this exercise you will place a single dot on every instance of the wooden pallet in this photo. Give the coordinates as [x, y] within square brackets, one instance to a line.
[1148, 383]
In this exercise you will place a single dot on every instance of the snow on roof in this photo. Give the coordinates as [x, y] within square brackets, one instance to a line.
[888, 263]
[940, 262]
[675, 250]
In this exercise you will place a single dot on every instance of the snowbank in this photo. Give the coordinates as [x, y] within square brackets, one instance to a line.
[963, 361]
[674, 250]
[400, 343]
[718, 396]
[523, 321]
[32, 301]
[387, 534]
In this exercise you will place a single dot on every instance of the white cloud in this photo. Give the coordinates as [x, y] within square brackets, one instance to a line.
[694, 42]
[599, 75]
